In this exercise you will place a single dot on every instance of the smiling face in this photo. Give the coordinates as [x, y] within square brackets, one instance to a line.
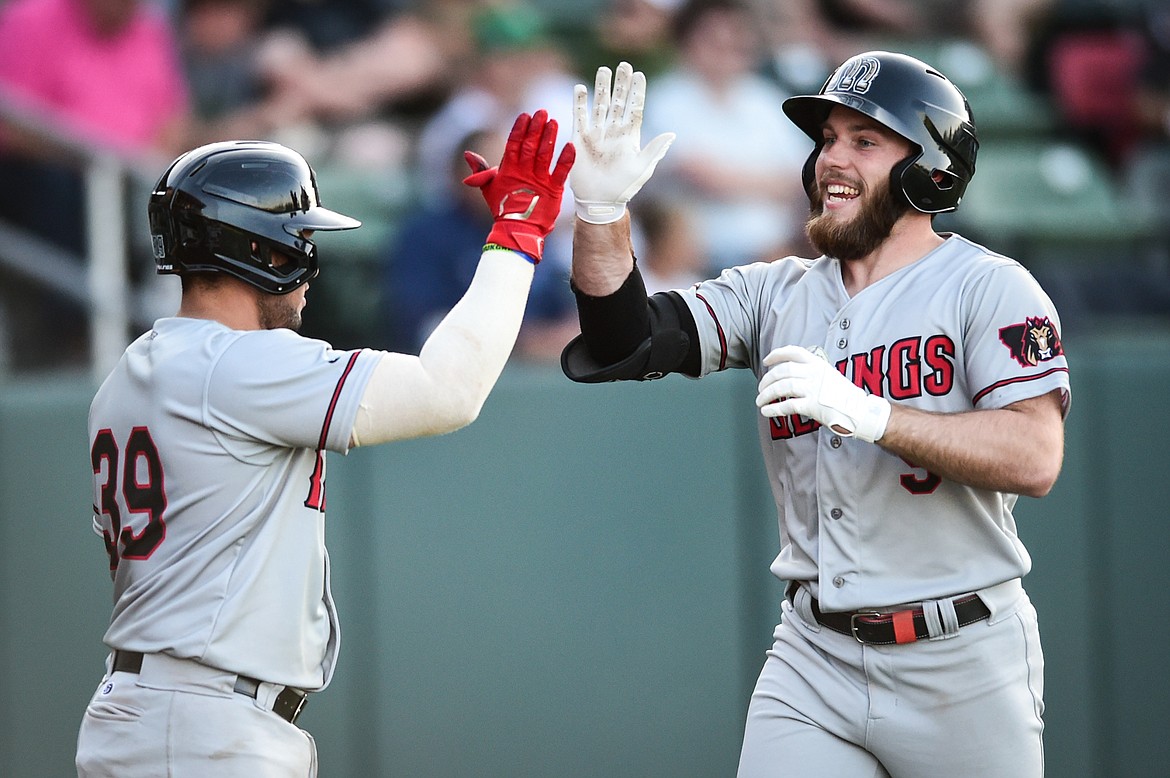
[853, 208]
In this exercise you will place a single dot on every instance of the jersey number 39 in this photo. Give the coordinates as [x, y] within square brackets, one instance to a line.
[136, 476]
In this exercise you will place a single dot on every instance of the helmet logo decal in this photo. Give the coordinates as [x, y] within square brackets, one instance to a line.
[159, 246]
[857, 76]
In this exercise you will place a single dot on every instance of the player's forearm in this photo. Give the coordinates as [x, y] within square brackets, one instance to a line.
[602, 256]
[446, 385]
[1018, 449]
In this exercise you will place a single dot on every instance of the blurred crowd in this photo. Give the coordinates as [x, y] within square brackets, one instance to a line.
[383, 96]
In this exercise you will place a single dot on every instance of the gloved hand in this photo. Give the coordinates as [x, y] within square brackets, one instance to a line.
[524, 197]
[804, 383]
[612, 167]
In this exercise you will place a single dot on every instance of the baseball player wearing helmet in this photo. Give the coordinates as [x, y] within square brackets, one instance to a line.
[208, 444]
[911, 385]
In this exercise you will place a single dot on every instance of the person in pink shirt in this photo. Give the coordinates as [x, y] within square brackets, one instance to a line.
[107, 73]
[107, 69]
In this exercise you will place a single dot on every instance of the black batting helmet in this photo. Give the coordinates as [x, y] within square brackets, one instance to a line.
[225, 207]
[917, 102]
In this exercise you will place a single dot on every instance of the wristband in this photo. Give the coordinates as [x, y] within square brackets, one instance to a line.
[599, 213]
[498, 247]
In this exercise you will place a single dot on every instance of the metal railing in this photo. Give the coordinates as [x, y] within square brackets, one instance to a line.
[99, 281]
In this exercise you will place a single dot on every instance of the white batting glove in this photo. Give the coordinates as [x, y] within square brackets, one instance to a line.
[804, 383]
[611, 167]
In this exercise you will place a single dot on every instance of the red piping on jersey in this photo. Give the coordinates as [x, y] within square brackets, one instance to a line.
[719, 329]
[316, 498]
[1010, 381]
[333, 402]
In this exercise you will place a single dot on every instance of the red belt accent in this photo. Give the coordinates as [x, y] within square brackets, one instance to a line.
[904, 627]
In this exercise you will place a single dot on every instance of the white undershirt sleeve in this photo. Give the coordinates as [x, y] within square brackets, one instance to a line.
[445, 386]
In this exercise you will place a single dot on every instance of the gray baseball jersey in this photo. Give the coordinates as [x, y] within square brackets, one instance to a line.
[208, 451]
[960, 329]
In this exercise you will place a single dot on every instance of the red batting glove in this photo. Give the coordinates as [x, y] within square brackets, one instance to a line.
[524, 197]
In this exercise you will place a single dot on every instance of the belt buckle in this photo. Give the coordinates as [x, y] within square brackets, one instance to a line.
[286, 708]
[296, 714]
[853, 617]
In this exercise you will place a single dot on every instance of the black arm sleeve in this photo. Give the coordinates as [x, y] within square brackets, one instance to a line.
[627, 336]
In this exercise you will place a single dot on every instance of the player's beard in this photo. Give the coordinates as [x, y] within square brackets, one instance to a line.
[859, 236]
[279, 311]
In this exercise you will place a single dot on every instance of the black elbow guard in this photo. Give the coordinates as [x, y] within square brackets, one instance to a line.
[669, 348]
[658, 355]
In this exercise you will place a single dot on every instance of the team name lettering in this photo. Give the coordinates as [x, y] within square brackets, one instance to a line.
[902, 370]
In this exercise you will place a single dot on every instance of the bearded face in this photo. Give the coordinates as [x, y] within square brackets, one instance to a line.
[279, 311]
[853, 238]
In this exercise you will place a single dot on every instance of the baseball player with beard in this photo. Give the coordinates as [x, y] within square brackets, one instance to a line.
[208, 444]
[911, 385]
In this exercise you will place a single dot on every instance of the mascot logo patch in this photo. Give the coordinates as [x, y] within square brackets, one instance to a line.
[1032, 342]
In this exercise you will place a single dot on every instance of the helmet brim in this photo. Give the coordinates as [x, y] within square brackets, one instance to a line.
[809, 112]
[318, 218]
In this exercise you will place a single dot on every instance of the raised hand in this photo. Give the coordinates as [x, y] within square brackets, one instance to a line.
[523, 195]
[612, 166]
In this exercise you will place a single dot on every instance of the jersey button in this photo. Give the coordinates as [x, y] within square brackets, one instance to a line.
[836, 513]
[835, 441]
[844, 324]
[842, 343]
[838, 581]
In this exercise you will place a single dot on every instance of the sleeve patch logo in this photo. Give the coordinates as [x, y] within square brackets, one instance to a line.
[1032, 342]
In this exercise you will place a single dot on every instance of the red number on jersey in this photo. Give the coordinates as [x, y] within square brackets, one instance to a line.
[139, 481]
[919, 484]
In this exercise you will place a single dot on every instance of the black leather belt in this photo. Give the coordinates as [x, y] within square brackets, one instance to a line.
[905, 626]
[288, 704]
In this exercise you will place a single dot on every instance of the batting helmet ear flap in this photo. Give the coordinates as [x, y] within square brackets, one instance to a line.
[808, 173]
[899, 174]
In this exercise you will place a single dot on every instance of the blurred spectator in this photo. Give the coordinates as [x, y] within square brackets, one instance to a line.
[737, 167]
[801, 45]
[434, 254]
[1008, 29]
[328, 26]
[1004, 28]
[401, 57]
[1097, 61]
[664, 240]
[517, 66]
[634, 31]
[251, 80]
[897, 19]
[220, 45]
[106, 73]
[106, 70]
[1153, 87]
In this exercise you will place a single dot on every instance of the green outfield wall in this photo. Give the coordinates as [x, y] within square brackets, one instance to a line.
[577, 584]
